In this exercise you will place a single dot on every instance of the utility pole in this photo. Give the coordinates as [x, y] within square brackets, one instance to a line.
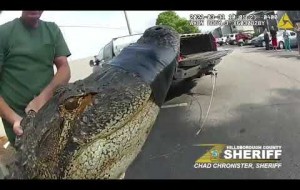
[128, 26]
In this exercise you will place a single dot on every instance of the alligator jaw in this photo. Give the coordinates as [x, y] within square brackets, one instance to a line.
[110, 156]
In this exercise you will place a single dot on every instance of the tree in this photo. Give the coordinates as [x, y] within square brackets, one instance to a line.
[181, 25]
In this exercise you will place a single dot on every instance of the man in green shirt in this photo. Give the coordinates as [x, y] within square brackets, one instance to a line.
[28, 49]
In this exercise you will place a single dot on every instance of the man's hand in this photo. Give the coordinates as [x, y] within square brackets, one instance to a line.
[17, 127]
[12, 117]
[38, 102]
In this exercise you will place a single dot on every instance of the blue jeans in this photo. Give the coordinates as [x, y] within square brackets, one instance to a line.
[287, 44]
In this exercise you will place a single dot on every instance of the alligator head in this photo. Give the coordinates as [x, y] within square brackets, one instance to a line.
[94, 128]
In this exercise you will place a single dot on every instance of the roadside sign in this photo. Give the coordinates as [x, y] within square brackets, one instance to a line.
[285, 22]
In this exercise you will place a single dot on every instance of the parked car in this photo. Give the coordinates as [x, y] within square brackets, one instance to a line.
[227, 39]
[280, 40]
[243, 38]
[112, 49]
[224, 39]
[231, 39]
[259, 41]
[253, 40]
[219, 41]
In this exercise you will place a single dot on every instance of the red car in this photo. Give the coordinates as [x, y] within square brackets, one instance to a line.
[242, 38]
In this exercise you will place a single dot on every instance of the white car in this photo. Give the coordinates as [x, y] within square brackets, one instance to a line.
[280, 40]
[224, 39]
[219, 41]
[112, 49]
[231, 39]
[259, 41]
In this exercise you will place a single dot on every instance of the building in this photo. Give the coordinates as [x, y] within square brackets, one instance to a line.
[227, 29]
[268, 23]
[230, 28]
[217, 32]
[245, 28]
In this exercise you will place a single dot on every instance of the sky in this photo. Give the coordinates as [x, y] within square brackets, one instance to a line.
[87, 31]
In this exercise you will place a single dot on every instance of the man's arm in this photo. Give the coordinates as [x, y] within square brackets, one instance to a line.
[5, 111]
[61, 77]
[12, 117]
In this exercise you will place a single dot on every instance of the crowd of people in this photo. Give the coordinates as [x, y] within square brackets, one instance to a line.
[286, 37]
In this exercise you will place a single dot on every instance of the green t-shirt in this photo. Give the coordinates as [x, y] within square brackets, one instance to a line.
[26, 61]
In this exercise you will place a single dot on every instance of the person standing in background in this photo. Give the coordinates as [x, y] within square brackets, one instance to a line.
[274, 38]
[267, 39]
[297, 30]
[286, 37]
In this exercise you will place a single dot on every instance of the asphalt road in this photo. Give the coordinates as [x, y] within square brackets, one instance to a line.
[256, 102]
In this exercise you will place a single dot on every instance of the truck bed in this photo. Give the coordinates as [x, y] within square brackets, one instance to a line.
[197, 65]
[204, 58]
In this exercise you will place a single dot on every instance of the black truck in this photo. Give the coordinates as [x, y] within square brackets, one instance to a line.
[198, 54]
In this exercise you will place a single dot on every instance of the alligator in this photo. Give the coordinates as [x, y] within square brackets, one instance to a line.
[94, 128]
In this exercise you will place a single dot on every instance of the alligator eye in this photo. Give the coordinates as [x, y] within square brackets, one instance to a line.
[71, 104]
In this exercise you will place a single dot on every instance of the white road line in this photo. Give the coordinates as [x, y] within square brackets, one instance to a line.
[174, 105]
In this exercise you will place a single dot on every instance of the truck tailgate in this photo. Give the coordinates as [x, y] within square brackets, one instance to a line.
[205, 58]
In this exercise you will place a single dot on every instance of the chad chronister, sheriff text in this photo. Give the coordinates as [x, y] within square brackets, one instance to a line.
[238, 165]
